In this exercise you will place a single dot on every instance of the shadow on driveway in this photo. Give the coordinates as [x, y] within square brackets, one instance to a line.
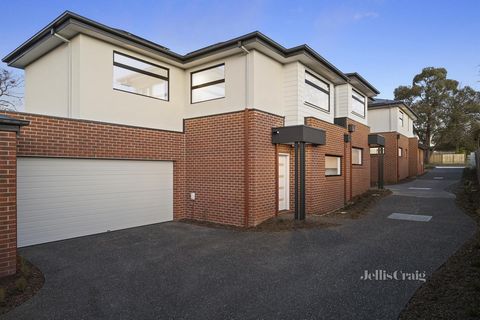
[182, 271]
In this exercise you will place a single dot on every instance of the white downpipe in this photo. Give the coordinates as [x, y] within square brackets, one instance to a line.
[247, 91]
[69, 72]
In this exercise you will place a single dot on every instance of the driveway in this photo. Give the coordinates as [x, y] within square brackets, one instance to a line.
[180, 271]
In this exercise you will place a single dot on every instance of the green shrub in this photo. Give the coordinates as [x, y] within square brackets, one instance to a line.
[25, 270]
[21, 284]
[3, 295]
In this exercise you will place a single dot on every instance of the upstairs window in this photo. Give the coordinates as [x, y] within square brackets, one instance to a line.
[317, 92]
[400, 118]
[333, 166]
[208, 84]
[140, 77]
[400, 152]
[358, 103]
[357, 156]
[374, 151]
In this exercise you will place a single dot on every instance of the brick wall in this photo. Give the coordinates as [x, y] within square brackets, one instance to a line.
[48, 136]
[215, 168]
[8, 203]
[395, 168]
[361, 173]
[324, 194]
[262, 166]
[413, 159]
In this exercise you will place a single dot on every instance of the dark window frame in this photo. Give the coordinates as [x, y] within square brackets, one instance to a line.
[318, 88]
[363, 102]
[341, 164]
[401, 117]
[211, 83]
[361, 157]
[150, 74]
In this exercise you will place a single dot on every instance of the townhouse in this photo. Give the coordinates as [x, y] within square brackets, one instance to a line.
[403, 156]
[120, 132]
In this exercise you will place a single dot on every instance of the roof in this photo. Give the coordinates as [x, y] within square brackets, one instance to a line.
[387, 103]
[70, 18]
[363, 81]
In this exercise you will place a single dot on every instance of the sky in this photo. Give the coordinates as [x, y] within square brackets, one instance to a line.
[388, 42]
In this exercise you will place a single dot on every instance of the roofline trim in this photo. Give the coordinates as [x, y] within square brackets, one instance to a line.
[363, 80]
[69, 17]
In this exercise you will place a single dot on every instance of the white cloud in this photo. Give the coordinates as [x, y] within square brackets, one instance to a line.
[365, 15]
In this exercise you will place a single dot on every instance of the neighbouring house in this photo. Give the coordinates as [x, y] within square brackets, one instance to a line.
[120, 132]
[403, 155]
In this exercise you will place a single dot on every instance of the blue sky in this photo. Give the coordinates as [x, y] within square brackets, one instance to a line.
[387, 42]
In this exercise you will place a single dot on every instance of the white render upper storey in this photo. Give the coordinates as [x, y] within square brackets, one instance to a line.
[78, 68]
[391, 116]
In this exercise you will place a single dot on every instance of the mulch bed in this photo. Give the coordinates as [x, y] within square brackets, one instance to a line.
[15, 297]
[453, 291]
[359, 205]
[285, 221]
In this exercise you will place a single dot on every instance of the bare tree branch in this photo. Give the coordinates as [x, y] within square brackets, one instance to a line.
[9, 99]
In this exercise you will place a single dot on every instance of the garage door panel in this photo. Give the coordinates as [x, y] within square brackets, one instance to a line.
[64, 198]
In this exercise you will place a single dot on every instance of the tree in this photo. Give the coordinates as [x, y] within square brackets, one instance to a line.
[9, 98]
[427, 96]
[460, 127]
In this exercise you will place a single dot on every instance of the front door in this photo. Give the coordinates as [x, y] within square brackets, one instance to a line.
[283, 181]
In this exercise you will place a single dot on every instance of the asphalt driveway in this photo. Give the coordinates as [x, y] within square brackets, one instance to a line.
[180, 271]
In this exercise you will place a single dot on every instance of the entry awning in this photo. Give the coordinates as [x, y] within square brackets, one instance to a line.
[376, 140]
[299, 133]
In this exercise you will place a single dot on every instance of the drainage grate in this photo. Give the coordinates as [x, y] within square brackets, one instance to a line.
[409, 217]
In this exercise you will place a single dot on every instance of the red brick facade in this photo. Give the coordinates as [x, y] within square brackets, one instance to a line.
[397, 168]
[227, 160]
[8, 203]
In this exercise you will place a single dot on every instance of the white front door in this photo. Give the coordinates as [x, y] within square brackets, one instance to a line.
[283, 181]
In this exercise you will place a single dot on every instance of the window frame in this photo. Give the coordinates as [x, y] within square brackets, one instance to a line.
[307, 82]
[374, 153]
[340, 166]
[211, 83]
[363, 102]
[150, 74]
[361, 156]
[401, 117]
[400, 152]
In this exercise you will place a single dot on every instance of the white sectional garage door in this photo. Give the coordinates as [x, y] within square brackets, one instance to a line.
[65, 198]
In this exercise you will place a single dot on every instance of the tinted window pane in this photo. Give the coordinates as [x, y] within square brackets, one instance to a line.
[316, 97]
[137, 64]
[332, 166]
[318, 83]
[209, 92]
[358, 103]
[135, 82]
[210, 75]
[356, 156]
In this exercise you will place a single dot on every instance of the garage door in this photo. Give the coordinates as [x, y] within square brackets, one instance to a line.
[65, 198]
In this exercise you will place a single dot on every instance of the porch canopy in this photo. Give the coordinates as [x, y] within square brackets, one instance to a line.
[299, 136]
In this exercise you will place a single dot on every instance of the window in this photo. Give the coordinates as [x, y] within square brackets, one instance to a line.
[317, 92]
[140, 77]
[358, 103]
[400, 152]
[374, 151]
[400, 118]
[208, 84]
[357, 156]
[333, 166]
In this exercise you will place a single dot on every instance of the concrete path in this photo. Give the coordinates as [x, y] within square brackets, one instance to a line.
[180, 271]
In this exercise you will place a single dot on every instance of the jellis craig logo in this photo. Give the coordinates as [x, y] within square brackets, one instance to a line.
[398, 275]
